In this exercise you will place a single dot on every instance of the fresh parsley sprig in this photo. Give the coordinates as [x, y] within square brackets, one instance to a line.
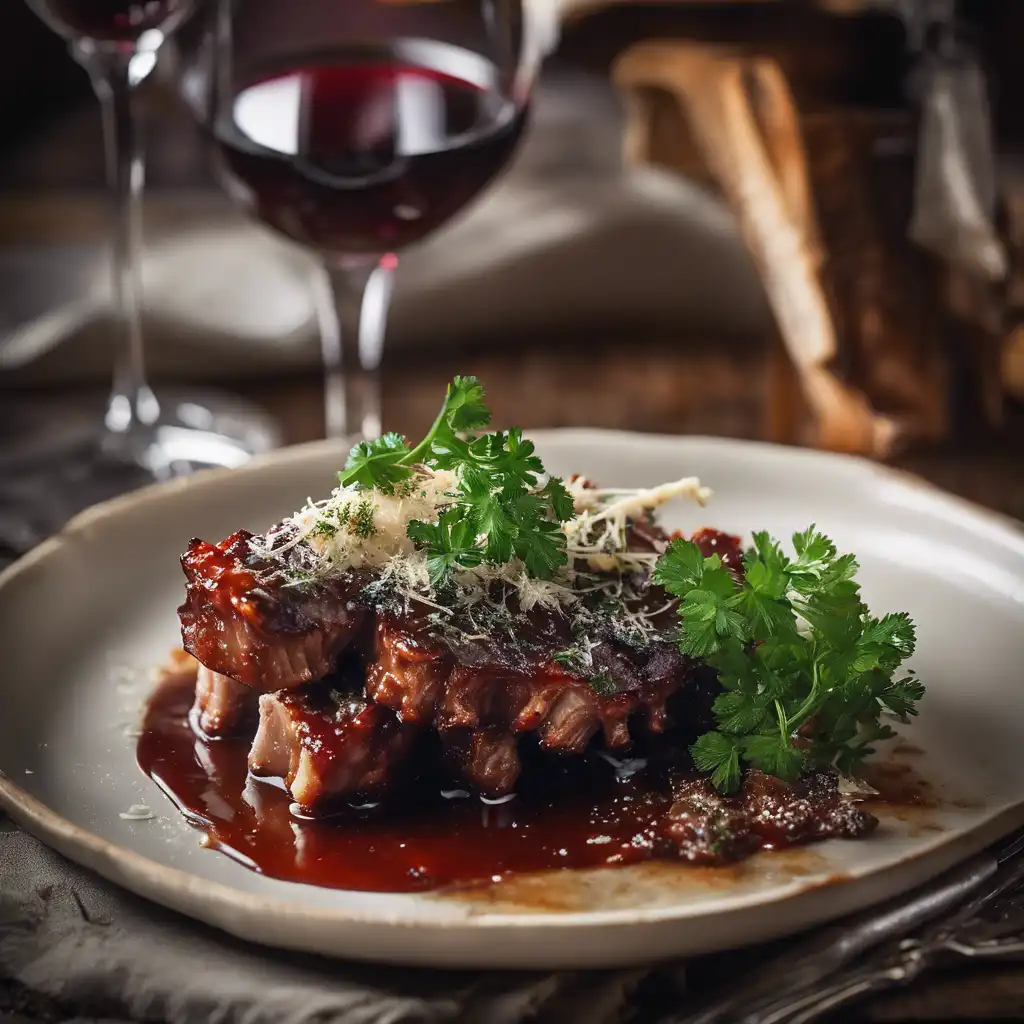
[386, 462]
[500, 510]
[807, 673]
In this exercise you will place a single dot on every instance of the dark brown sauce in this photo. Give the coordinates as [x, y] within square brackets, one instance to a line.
[584, 812]
[899, 785]
[438, 841]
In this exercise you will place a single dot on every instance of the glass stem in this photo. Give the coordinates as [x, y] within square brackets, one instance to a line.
[353, 300]
[132, 403]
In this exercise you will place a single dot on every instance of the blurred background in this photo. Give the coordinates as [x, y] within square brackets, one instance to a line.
[793, 221]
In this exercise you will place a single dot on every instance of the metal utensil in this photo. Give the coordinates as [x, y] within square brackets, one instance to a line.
[951, 917]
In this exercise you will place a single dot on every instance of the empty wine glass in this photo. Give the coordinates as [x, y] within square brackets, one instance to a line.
[356, 129]
[117, 42]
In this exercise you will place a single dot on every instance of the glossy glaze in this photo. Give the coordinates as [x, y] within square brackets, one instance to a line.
[568, 813]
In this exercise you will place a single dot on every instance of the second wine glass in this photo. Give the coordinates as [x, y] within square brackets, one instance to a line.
[117, 42]
[357, 129]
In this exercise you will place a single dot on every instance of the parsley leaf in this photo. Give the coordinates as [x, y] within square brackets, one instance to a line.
[807, 672]
[465, 406]
[499, 499]
[719, 755]
[387, 461]
[561, 501]
[450, 541]
[499, 511]
[709, 598]
[772, 756]
[900, 696]
[681, 568]
[379, 463]
[739, 713]
[464, 409]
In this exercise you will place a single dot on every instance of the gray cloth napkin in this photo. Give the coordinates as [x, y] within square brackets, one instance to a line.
[73, 945]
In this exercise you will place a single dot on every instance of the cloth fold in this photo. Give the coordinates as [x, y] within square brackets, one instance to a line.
[69, 937]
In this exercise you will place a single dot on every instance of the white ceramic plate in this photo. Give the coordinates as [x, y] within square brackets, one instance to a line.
[86, 617]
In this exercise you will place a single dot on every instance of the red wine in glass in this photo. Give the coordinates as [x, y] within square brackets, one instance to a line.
[112, 21]
[367, 150]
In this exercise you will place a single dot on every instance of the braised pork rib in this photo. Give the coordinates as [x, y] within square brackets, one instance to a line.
[344, 689]
[242, 619]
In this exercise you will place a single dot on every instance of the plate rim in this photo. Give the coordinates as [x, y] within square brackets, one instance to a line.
[159, 883]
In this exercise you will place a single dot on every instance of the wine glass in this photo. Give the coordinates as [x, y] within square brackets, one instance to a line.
[356, 129]
[117, 42]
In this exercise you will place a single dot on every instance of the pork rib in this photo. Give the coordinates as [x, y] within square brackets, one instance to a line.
[328, 746]
[223, 707]
[242, 620]
[480, 691]
[482, 697]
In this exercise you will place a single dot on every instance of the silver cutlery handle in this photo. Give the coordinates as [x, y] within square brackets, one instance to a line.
[912, 961]
[952, 917]
[803, 970]
[849, 987]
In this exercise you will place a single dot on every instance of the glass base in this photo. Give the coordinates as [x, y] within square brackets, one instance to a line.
[194, 431]
[56, 458]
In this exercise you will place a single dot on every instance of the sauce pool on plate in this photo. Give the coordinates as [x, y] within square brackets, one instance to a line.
[568, 813]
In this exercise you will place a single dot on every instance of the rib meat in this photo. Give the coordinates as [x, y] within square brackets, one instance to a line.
[240, 619]
[223, 707]
[482, 696]
[481, 691]
[328, 746]
[409, 670]
[487, 759]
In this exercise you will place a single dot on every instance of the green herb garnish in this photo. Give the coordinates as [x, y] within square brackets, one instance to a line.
[361, 522]
[499, 510]
[567, 659]
[602, 683]
[581, 663]
[807, 672]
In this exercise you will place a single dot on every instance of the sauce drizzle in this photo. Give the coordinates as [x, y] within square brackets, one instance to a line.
[581, 812]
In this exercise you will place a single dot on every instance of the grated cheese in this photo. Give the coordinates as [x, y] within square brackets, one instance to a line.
[598, 534]
[356, 527]
[542, 593]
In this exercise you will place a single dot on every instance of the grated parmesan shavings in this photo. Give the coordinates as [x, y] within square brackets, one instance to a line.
[356, 528]
[365, 528]
[598, 533]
